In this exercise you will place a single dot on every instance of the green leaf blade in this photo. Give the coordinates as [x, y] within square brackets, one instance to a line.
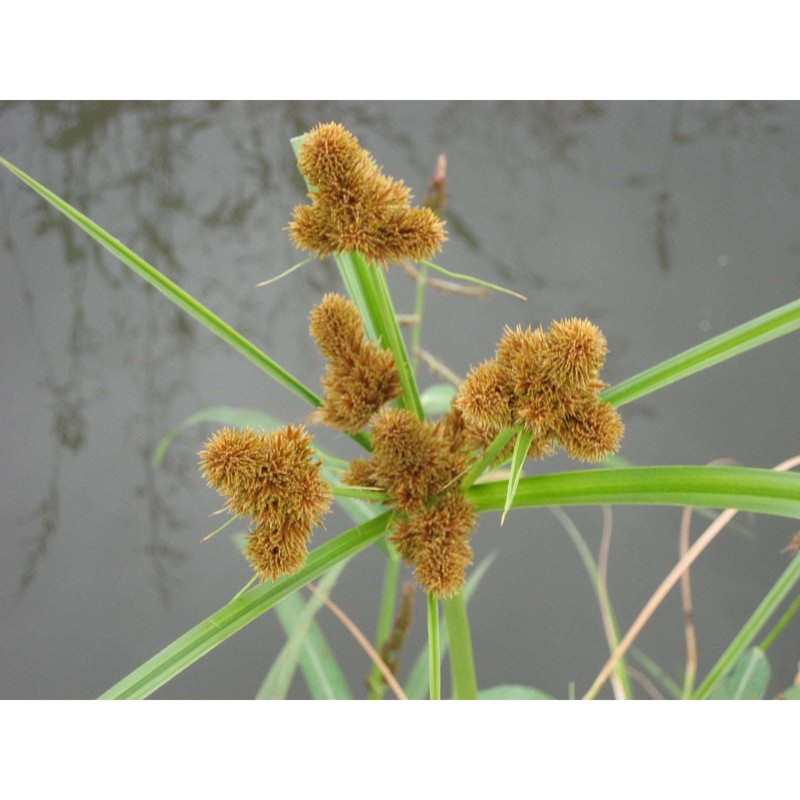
[734, 342]
[521, 446]
[278, 679]
[748, 680]
[759, 490]
[240, 611]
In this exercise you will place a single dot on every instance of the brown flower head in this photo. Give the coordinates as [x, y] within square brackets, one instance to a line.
[355, 208]
[273, 479]
[592, 429]
[520, 355]
[575, 352]
[360, 377]
[484, 397]
[549, 385]
[436, 541]
[410, 462]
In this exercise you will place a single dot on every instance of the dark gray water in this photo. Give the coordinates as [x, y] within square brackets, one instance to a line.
[665, 223]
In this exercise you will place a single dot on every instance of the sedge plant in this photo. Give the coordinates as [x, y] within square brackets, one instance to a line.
[433, 462]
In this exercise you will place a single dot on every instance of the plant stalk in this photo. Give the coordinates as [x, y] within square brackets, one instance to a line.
[434, 657]
[462, 664]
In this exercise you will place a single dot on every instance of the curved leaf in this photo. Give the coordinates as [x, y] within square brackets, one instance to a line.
[760, 490]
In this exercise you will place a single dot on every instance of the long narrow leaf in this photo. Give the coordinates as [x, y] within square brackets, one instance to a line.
[776, 595]
[171, 290]
[760, 490]
[591, 567]
[416, 687]
[233, 616]
[321, 670]
[732, 343]
[277, 681]
[524, 439]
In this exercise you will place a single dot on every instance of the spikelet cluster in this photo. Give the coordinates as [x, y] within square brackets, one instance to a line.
[360, 377]
[436, 541]
[273, 479]
[548, 384]
[355, 207]
[418, 465]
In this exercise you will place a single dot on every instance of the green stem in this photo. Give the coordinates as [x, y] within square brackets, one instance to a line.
[360, 493]
[780, 625]
[462, 664]
[434, 659]
[391, 580]
[488, 457]
[749, 631]
[394, 338]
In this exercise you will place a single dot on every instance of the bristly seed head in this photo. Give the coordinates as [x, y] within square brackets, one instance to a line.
[355, 207]
[436, 541]
[549, 383]
[360, 377]
[273, 479]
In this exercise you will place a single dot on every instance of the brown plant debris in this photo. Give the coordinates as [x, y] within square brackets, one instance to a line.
[355, 207]
[393, 646]
[361, 377]
[273, 479]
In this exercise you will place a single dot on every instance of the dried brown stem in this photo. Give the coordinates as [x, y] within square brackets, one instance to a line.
[690, 672]
[674, 576]
[437, 367]
[645, 683]
[363, 641]
[602, 591]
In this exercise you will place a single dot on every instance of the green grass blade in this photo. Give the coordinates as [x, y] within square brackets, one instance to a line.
[524, 439]
[278, 680]
[760, 490]
[782, 587]
[738, 340]
[416, 687]
[594, 575]
[780, 625]
[318, 664]
[462, 662]
[434, 655]
[171, 290]
[748, 680]
[240, 611]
